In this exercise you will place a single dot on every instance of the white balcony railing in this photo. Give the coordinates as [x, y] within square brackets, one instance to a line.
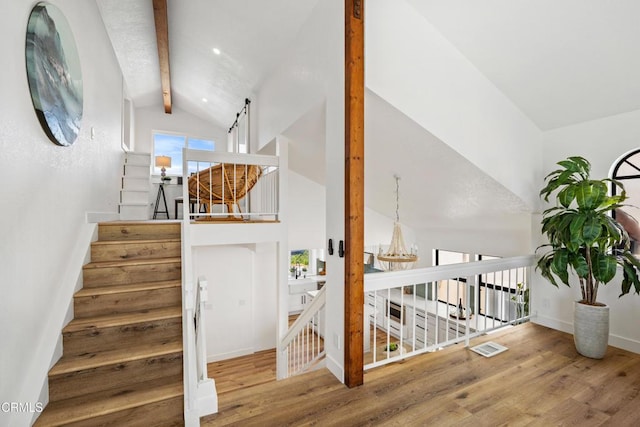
[421, 310]
[221, 185]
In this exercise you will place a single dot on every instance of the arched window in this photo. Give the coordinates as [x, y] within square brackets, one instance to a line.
[627, 171]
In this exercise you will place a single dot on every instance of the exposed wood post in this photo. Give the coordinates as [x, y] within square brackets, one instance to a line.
[162, 37]
[354, 193]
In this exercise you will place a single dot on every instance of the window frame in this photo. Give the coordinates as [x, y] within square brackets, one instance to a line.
[155, 171]
[476, 289]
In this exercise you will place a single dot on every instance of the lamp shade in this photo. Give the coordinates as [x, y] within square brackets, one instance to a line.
[163, 161]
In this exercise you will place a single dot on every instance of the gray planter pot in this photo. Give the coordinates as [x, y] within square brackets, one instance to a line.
[591, 329]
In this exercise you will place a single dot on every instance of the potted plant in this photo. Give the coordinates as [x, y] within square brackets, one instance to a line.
[391, 347]
[585, 239]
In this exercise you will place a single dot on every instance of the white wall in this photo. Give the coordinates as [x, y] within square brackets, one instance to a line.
[49, 190]
[413, 67]
[601, 142]
[307, 223]
[241, 312]
[505, 236]
[265, 296]
[151, 119]
[313, 71]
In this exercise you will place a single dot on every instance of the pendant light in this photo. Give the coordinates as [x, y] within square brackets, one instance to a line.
[397, 257]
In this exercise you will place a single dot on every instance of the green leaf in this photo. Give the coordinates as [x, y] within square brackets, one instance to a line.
[567, 195]
[553, 209]
[550, 188]
[591, 230]
[604, 267]
[579, 264]
[631, 259]
[556, 179]
[566, 219]
[599, 192]
[575, 227]
[583, 195]
[588, 195]
[629, 277]
[544, 266]
[583, 165]
[569, 165]
[555, 172]
[559, 265]
[614, 231]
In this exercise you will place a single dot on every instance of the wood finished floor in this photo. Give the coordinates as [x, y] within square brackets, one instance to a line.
[242, 372]
[539, 381]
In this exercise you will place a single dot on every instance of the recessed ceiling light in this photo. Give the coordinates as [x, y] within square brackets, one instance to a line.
[216, 51]
[205, 100]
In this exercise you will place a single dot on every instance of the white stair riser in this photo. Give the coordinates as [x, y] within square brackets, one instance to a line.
[136, 197]
[140, 159]
[136, 171]
[135, 184]
[134, 212]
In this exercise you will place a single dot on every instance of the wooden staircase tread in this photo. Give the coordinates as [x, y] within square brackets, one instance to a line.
[127, 262]
[106, 402]
[119, 319]
[74, 363]
[134, 241]
[111, 363]
[134, 287]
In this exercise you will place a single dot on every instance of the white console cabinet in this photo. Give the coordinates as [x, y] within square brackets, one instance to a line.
[298, 293]
[417, 327]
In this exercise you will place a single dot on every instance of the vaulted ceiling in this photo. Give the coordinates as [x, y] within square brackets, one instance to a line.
[251, 35]
[560, 62]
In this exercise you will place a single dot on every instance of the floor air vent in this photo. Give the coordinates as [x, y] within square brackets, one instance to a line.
[489, 349]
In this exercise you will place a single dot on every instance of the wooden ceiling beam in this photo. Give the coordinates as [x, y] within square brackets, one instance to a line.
[162, 36]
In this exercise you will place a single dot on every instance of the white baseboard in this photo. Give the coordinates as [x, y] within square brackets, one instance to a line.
[335, 368]
[229, 355]
[614, 340]
[558, 325]
[624, 343]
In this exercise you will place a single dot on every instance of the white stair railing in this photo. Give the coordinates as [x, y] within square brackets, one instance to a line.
[303, 344]
[200, 395]
[416, 311]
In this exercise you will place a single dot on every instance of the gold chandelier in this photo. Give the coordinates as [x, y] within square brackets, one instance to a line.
[397, 257]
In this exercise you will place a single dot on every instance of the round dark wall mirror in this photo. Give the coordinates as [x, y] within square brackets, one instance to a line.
[53, 70]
